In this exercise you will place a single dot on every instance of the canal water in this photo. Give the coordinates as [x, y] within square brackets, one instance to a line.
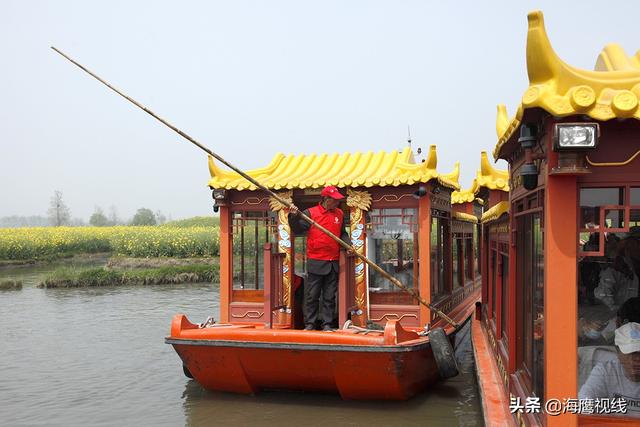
[96, 357]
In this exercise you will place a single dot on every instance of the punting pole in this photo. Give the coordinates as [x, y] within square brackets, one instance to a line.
[342, 243]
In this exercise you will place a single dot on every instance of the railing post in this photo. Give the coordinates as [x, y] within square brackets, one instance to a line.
[268, 284]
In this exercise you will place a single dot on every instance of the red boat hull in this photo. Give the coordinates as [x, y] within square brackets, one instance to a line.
[393, 364]
[395, 373]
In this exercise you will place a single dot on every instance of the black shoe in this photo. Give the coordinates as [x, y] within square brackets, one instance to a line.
[327, 328]
[309, 328]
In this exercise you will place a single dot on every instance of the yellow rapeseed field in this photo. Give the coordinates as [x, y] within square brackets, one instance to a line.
[151, 241]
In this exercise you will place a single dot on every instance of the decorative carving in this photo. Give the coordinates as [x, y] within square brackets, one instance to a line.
[388, 316]
[249, 314]
[358, 241]
[252, 201]
[358, 199]
[391, 197]
[284, 246]
[275, 205]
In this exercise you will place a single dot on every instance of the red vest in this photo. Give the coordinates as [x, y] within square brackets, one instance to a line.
[319, 245]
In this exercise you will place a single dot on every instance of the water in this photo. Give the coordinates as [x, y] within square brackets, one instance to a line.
[96, 356]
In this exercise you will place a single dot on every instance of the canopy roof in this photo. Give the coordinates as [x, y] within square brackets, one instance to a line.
[486, 177]
[358, 169]
[610, 91]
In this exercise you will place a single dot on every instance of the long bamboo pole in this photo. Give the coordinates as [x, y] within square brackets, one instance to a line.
[342, 243]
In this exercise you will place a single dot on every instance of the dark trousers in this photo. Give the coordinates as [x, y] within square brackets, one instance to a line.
[316, 307]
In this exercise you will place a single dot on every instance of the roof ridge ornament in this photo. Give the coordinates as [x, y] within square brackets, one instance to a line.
[611, 91]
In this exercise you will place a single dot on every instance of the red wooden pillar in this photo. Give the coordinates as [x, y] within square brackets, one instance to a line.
[424, 246]
[511, 283]
[560, 294]
[225, 263]
[268, 285]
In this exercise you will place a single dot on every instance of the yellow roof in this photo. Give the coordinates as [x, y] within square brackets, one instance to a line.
[342, 170]
[495, 212]
[465, 217]
[464, 196]
[486, 177]
[611, 91]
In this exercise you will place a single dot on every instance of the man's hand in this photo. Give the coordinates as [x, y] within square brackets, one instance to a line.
[294, 210]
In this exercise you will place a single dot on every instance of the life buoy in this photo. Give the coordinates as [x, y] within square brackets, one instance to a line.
[443, 353]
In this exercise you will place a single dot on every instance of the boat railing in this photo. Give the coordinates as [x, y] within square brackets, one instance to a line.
[346, 287]
[273, 289]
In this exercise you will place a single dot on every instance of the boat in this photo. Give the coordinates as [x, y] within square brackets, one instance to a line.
[403, 215]
[560, 247]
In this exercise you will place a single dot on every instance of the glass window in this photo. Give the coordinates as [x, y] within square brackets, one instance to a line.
[456, 256]
[392, 243]
[608, 292]
[504, 270]
[476, 246]
[494, 281]
[251, 230]
[439, 248]
[300, 255]
[530, 279]
[469, 260]
[635, 196]
[592, 198]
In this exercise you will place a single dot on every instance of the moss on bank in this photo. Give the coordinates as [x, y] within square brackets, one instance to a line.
[73, 277]
[10, 285]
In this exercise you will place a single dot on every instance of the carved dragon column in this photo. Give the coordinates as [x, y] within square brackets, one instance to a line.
[359, 202]
[285, 244]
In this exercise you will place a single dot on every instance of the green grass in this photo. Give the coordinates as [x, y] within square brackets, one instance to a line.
[7, 285]
[196, 221]
[67, 277]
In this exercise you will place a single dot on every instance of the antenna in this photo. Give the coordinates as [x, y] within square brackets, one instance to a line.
[409, 135]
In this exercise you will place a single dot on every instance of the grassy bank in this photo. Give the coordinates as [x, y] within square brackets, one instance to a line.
[74, 277]
[10, 285]
[46, 243]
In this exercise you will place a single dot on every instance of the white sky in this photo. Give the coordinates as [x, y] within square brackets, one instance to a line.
[252, 78]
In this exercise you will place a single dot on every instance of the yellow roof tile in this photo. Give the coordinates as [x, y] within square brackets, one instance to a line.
[495, 212]
[342, 170]
[611, 91]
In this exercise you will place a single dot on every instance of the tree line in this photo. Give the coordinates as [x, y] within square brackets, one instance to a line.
[59, 214]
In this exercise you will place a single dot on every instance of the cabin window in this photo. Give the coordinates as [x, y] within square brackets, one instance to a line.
[504, 297]
[494, 280]
[530, 296]
[457, 260]
[250, 231]
[392, 243]
[469, 260]
[476, 246]
[440, 248]
[300, 255]
[608, 291]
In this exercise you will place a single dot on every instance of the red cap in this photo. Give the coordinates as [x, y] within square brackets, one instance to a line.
[331, 191]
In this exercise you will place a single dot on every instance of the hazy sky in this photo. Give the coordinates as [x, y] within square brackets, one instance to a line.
[253, 78]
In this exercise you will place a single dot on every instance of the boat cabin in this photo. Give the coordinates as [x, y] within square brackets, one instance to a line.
[562, 263]
[399, 214]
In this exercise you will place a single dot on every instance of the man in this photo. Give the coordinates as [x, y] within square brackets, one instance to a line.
[322, 258]
[620, 377]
